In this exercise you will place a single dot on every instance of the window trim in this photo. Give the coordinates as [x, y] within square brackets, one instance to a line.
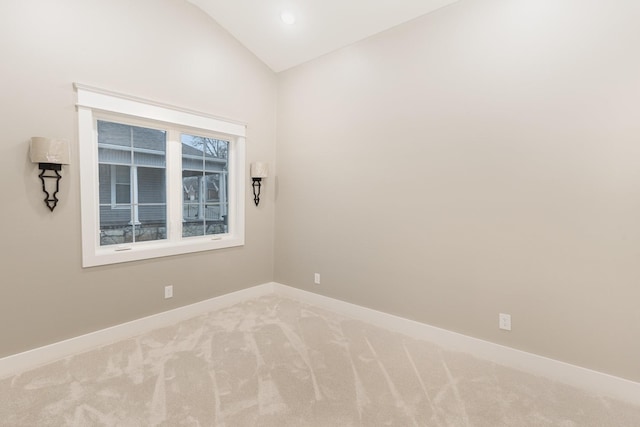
[93, 103]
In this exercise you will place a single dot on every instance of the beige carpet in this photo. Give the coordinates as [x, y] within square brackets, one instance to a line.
[276, 362]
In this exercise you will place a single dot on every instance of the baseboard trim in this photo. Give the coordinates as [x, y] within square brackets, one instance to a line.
[30, 359]
[586, 379]
[576, 376]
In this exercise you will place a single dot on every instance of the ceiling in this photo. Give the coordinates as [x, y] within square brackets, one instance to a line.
[321, 26]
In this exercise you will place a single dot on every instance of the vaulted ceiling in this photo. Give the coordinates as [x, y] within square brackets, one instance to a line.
[320, 27]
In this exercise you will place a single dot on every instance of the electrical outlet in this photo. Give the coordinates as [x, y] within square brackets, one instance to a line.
[316, 278]
[504, 321]
[168, 291]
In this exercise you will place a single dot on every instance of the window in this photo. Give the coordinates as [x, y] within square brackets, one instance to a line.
[132, 189]
[204, 181]
[156, 180]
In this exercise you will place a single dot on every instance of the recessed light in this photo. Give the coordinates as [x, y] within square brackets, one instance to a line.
[288, 17]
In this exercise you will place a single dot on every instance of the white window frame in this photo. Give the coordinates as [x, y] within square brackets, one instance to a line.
[95, 103]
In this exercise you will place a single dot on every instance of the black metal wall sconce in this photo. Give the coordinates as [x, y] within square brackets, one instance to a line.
[259, 170]
[50, 154]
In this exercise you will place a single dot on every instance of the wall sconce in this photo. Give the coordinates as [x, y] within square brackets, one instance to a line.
[259, 170]
[50, 154]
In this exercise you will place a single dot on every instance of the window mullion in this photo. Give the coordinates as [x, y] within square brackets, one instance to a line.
[174, 185]
[133, 194]
[113, 185]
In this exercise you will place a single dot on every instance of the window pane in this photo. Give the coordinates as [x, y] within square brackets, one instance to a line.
[114, 134]
[151, 186]
[204, 185]
[115, 228]
[121, 155]
[153, 223]
[104, 172]
[122, 184]
[148, 139]
[132, 196]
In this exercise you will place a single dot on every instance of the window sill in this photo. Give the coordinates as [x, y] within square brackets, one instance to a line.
[114, 254]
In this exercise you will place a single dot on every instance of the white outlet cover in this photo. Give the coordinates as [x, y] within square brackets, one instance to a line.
[504, 321]
[168, 291]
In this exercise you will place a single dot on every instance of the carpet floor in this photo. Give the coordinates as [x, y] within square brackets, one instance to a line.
[272, 361]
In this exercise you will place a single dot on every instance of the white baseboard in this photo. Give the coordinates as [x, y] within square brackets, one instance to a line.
[30, 359]
[576, 376]
[586, 379]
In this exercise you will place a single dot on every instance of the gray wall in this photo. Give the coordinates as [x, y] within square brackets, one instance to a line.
[481, 159]
[164, 50]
